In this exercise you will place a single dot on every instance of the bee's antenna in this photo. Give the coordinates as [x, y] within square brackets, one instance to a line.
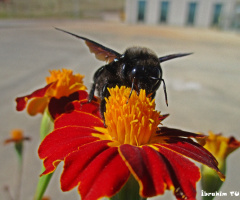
[172, 56]
[165, 91]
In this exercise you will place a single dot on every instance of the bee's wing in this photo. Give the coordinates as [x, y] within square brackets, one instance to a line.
[172, 56]
[101, 52]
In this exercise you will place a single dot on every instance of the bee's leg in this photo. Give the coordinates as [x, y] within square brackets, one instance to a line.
[156, 87]
[95, 77]
[91, 94]
[105, 94]
[103, 110]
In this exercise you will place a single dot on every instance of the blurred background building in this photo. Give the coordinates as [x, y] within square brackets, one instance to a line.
[224, 14]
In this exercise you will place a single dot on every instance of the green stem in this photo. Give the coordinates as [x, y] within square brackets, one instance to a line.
[42, 185]
[19, 150]
[47, 126]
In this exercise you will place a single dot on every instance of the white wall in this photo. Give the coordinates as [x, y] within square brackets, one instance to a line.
[131, 11]
[178, 10]
[204, 14]
[152, 12]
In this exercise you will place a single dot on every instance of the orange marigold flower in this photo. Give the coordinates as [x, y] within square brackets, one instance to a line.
[99, 160]
[65, 83]
[59, 84]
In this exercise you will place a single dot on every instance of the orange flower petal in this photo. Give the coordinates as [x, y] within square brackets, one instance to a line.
[22, 101]
[37, 105]
[66, 83]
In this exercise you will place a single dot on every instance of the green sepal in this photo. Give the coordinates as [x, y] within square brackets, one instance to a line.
[129, 191]
[211, 183]
[47, 124]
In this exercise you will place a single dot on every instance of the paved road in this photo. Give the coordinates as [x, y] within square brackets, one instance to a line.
[203, 89]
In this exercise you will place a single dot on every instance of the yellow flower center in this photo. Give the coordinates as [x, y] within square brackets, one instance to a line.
[65, 83]
[130, 120]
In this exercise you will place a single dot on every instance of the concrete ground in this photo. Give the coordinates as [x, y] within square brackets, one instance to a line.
[203, 89]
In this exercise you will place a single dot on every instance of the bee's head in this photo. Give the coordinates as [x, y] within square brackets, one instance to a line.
[142, 69]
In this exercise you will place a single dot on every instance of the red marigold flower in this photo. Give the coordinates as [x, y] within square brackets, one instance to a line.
[99, 160]
[59, 84]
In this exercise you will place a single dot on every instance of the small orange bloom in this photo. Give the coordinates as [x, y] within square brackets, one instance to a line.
[16, 136]
[59, 84]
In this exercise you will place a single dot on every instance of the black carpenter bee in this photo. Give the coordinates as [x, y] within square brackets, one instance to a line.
[137, 68]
